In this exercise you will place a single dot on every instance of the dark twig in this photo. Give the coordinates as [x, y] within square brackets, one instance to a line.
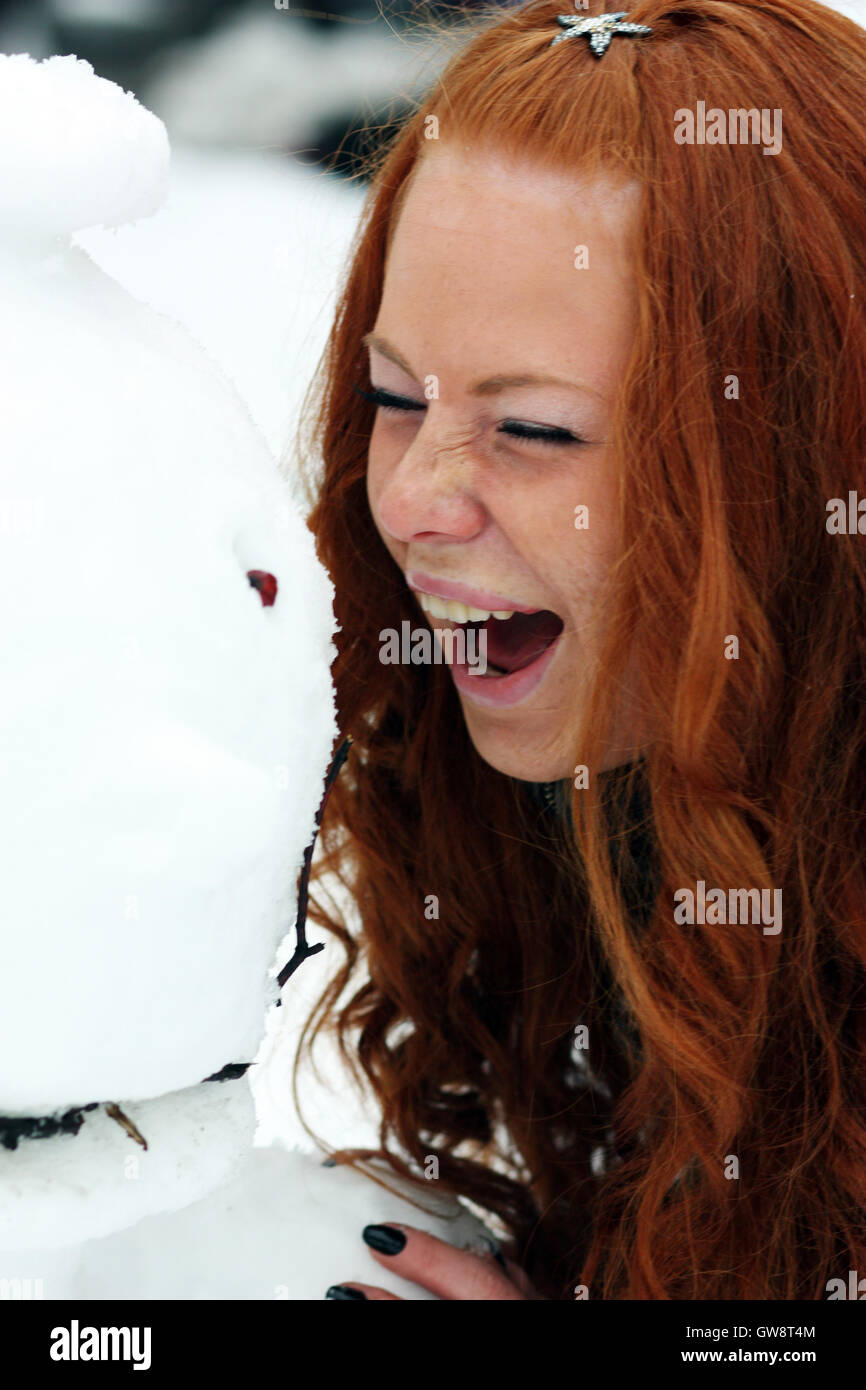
[114, 1111]
[302, 949]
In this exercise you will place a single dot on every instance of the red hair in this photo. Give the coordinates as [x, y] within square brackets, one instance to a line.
[705, 1042]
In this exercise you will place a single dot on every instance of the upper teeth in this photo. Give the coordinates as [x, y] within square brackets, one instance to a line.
[458, 612]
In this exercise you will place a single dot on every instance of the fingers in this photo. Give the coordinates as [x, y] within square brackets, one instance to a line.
[360, 1292]
[445, 1271]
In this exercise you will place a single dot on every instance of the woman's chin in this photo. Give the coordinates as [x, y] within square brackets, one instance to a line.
[511, 753]
[542, 758]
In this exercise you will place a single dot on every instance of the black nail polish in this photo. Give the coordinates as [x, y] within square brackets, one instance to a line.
[386, 1239]
[342, 1291]
[329, 1163]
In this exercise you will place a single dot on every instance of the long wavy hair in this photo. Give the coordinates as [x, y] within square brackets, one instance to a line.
[608, 1155]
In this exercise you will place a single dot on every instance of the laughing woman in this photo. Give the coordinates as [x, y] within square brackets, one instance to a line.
[597, 375]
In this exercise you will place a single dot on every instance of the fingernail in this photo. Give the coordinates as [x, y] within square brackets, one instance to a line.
[342, 1291]
[329, 1163]
[386, 1239]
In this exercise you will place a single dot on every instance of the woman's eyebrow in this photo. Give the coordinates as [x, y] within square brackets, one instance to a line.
[491, 385]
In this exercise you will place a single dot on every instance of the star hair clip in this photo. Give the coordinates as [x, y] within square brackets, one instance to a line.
[599, 29]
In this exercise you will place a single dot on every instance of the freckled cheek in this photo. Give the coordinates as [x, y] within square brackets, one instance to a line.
[591, 567]
[573, 565]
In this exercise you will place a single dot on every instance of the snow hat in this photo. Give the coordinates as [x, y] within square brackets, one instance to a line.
[165, 719]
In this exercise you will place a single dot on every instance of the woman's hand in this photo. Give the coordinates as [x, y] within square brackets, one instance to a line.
[433, 1264]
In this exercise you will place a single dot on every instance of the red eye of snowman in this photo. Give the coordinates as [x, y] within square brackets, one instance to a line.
[266, 585]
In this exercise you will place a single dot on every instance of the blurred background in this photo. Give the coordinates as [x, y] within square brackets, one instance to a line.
[316, 82]
[319, 82]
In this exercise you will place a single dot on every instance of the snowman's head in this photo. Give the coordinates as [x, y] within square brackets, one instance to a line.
[166, 708]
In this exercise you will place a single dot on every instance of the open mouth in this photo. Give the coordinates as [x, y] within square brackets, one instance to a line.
[511, 641]
[516, 642]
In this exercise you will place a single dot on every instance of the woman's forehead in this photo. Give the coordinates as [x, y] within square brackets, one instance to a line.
[448, 182]
[510, 270]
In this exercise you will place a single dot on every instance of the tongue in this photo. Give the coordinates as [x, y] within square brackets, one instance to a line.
[515, 642]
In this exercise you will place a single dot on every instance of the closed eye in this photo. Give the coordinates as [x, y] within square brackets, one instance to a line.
[517, 429]
[539, 434]
[389, 401]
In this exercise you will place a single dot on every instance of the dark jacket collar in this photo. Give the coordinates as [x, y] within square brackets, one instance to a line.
[553, 797]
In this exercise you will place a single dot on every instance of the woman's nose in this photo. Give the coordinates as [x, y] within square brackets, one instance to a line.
[433, 487]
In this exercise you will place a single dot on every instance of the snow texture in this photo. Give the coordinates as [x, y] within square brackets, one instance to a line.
[56, 1193]
[283, 1227]
[163, 734]
[246, 253]
[75, 151]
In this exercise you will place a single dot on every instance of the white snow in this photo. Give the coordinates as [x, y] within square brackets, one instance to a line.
[282, 1227]
[56, 1193]
[247, 253]
[163, 735]
[75, 150]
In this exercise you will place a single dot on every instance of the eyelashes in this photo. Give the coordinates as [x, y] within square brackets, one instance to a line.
[388, 400]
[516, 429]
[539, 434]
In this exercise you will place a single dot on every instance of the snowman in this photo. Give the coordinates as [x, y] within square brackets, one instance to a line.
[167, 722]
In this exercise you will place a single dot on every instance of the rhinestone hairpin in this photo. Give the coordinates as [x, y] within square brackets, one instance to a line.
[599, 29]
